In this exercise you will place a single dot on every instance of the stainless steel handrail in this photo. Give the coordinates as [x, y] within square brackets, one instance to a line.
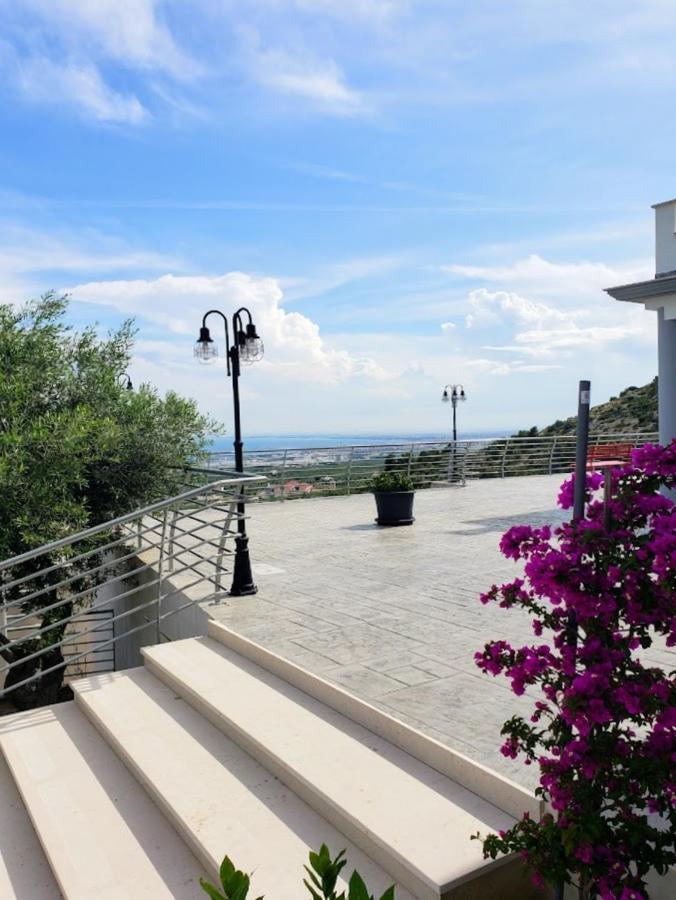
[121, 520]
[347, 468]
[141, 563]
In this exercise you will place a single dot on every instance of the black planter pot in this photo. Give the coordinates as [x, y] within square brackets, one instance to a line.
[394, 507]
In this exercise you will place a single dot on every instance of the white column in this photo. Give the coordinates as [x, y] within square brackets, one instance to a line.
[666, 348]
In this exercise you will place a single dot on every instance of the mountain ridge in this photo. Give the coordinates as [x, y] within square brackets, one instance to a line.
[633, 410]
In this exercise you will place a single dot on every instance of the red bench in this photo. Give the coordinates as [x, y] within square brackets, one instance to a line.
[606, 455]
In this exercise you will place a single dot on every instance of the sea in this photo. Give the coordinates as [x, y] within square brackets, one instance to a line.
[222, 443]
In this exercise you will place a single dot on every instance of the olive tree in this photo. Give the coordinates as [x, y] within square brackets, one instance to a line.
[76, 447]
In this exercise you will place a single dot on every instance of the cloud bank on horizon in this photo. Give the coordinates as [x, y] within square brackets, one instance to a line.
[404, 193]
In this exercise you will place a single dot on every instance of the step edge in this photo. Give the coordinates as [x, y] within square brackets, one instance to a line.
[210, 864]
[492, 787]
[29, 811]
[380, 852]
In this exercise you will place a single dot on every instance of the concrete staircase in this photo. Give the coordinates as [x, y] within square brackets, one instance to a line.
[238, 751]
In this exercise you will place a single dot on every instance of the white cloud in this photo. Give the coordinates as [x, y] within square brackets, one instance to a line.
[541, 276]
[572, 336]
[499, 367]
[24, 250]
[490, 307]
[129, 31]
[335, 275]
[301, 73]
[296, 350]
[369, 10]
[447, 327]
[44, 81]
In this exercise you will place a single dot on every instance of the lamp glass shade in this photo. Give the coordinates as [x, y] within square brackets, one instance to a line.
[251, 350]
[444, 397]
[205, 351]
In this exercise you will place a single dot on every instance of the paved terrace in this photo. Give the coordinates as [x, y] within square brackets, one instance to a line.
[393, 613]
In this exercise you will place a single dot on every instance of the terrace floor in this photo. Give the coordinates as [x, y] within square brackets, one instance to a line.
[393, 614]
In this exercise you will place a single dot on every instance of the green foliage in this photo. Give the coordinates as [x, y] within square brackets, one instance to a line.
[390, 482]
[235, 884]
[76, 447]
[634, 410]
[321, 881]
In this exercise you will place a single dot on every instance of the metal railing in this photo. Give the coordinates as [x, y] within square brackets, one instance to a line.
[138, 567]
[304, 472]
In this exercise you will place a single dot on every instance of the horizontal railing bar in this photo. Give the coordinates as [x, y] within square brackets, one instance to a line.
[59, 584]
[131, 536]
[121, 520]
[62, 665]
[66, 621]
[68, 641]
[66, 562]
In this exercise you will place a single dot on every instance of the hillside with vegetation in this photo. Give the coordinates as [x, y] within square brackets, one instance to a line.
[635, 409]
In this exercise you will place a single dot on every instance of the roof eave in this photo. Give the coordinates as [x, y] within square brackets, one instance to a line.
[643, 290]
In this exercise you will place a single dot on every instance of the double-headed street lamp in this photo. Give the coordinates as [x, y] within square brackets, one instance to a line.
[457, 395]
[246, 348]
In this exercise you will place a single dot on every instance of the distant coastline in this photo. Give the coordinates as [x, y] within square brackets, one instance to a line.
[303, 441]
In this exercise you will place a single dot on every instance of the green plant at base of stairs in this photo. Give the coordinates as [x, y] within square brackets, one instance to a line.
[323, 873]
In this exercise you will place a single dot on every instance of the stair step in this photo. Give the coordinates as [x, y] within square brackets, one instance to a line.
[103, 837]
[219, 799]
[411, 819]
[24, 870]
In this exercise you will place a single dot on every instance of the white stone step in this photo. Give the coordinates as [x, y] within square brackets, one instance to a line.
[24, 870]
[219, 799]
[411, 819]
[103, 836]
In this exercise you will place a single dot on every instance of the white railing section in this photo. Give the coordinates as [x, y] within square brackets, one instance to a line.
[65, 605]
[304, 472]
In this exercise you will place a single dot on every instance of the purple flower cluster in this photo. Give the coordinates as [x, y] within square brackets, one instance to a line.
[604, 732]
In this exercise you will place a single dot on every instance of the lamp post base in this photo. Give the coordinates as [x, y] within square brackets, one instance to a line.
[242, 579]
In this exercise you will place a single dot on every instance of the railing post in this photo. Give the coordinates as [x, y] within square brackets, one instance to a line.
[504, 459]
[410, 460]
[225, 531]
[349, 470]
[172, 537]
[160, 562]
[281, 480]
[551, 456]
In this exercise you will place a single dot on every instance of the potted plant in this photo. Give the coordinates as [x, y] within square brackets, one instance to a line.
[394, 498]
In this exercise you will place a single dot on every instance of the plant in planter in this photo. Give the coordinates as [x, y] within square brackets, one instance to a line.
[321, 881]
[394, 498]
[604, 731]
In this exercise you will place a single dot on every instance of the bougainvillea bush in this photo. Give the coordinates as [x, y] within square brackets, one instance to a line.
[600, 591]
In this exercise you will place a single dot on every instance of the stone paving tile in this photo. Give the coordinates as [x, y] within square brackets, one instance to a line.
[412, 675]
[363, 681]
[358, 604]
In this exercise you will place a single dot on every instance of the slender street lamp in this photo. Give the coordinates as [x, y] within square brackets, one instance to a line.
[246, 348]
[457, 395]
[125, 381]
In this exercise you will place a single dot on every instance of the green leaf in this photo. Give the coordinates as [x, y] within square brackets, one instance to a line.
[239, 886]
[226, 872]
[358, 889]
[211, 890]
[313, 892]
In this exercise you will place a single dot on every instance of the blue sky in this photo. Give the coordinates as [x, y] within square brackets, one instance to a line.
[405, 193]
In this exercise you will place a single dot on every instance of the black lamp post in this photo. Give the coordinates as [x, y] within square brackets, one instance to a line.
[125, 381]
[246, 348]
[457, 395]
